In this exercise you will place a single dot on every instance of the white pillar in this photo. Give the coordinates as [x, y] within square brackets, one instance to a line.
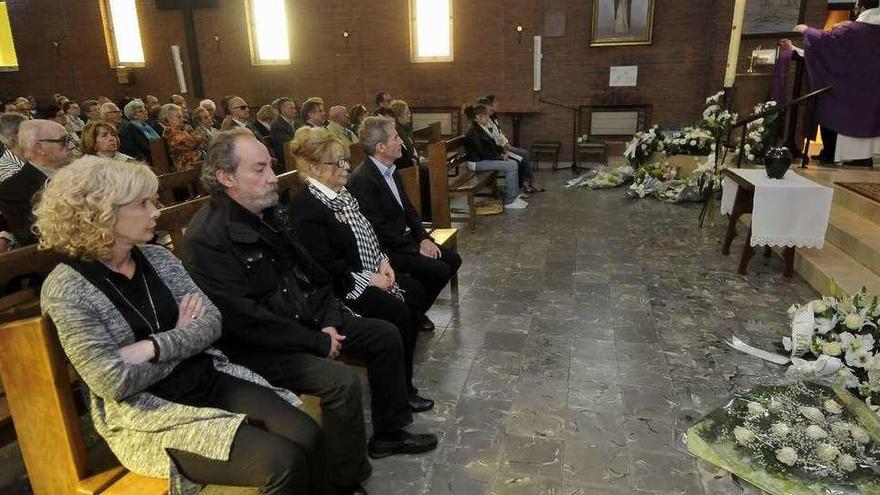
[739, 11]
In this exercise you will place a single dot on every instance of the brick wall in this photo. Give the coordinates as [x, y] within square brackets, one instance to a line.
[683, 65]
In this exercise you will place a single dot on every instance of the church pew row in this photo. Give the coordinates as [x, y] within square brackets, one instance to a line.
[450, 177]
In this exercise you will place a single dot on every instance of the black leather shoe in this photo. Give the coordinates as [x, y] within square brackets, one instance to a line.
[426, 325]
[410, 443]
[418, 404]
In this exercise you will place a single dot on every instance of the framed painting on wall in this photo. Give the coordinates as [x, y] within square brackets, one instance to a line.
[766, 17]
[622, 22]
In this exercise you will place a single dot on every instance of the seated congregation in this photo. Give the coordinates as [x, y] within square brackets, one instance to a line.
[192, 365]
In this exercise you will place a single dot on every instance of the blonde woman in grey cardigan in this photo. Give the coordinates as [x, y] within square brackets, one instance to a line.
[139, 333]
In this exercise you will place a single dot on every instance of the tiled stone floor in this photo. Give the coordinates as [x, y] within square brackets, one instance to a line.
[586, 341]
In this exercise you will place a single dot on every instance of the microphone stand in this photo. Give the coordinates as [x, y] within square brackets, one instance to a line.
[576, 113]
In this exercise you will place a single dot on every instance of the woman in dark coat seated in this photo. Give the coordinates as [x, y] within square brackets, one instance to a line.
[135, 135]
[343, 242]
[139, 333]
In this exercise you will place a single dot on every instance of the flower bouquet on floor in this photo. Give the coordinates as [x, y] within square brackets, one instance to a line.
[804, 438]
[602, 178]
[643, 143]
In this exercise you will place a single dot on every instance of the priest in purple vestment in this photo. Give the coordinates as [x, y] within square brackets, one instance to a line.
[847, 58]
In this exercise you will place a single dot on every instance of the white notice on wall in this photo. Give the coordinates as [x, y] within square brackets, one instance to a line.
[623, 75]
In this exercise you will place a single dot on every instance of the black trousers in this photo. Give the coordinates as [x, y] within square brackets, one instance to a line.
[342, 417]
[279, 449]
[829, 143]
[432, 274]
[379, 344]
[405, 315]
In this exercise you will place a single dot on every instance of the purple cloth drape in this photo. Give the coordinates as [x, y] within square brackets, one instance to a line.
[780, 71]
[847, 59]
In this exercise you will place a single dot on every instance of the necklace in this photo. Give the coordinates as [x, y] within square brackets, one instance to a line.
[133, 307]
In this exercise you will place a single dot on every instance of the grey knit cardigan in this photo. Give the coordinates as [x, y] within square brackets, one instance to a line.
[137, 425]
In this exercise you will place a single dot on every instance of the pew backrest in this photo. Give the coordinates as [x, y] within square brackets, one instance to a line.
[446, 168]
[184, 180]
[160, 157]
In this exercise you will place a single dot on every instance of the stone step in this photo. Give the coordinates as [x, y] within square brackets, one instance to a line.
[856, 236]
[818, 266]
[859, 205]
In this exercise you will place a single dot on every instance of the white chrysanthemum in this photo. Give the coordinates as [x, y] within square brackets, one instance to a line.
[840, 428]
[826, 452]
[776, 405]
[852, 321]
[847, 378]
[847, 463]
[780, 429]
[787, 456]
[819, 306]
[832, 348]
[756, 408]
[825, 325]
[812, 413]
[815, 433]
[859, 434]
[743, 435]
[832, 406]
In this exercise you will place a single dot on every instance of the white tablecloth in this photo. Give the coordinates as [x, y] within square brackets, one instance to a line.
[792, 211]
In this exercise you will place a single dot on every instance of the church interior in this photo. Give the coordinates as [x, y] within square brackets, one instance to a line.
[653, 228]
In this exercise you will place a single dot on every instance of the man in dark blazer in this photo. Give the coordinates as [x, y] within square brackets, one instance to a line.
[384, 202]
[281, 317]
[282, 130]
[46, 144]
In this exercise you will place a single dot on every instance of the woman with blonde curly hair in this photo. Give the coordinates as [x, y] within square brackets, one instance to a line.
[100, 138]
[139, 333]
[341, 239]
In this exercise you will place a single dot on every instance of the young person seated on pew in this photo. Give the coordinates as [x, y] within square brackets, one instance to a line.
[384, 202]
[139, 333]
[342, 241]
[526, 182]
[101, 139]
[484, 152]
[281, 317]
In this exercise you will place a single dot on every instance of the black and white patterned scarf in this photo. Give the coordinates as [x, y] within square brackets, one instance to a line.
[347, 210]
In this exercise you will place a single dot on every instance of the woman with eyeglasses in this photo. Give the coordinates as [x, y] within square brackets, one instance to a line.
[341, 239]
[139, 333]
[186, 146]
[135, 135]
[101, 139]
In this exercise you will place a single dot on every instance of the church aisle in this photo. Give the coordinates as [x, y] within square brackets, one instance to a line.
[586, 341]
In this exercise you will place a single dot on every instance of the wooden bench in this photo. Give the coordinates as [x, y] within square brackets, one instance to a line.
[182, 185]
[35, 377]
[160, 157]
[450, 177]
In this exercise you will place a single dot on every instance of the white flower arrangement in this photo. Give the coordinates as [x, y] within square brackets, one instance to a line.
[643, 143]
[839, 331]
[759, 133]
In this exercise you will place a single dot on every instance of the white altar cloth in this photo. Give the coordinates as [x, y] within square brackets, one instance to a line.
[790, 212]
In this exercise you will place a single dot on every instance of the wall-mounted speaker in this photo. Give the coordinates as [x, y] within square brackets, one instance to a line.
[185, 4]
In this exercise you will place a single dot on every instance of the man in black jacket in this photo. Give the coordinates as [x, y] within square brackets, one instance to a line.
[280, 316]
[45, 143]
[384, 202]
[282, 130]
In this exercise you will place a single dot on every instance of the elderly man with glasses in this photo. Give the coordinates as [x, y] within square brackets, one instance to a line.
[46, 144]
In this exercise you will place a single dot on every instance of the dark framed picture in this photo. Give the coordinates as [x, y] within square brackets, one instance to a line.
[772, 16]
[622, 22]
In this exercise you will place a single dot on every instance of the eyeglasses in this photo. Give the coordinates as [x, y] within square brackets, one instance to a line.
[242, 107]
[341, 163]
[65, 139]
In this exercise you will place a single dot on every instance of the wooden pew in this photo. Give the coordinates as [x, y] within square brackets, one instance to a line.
[160, 157]
[450, 178]
[40, 398]
[357, 155]
[185, 181]
[21, 262]
[423, 136]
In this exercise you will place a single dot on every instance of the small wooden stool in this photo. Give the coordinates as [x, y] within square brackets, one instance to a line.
[545, 149]
[591, 149]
